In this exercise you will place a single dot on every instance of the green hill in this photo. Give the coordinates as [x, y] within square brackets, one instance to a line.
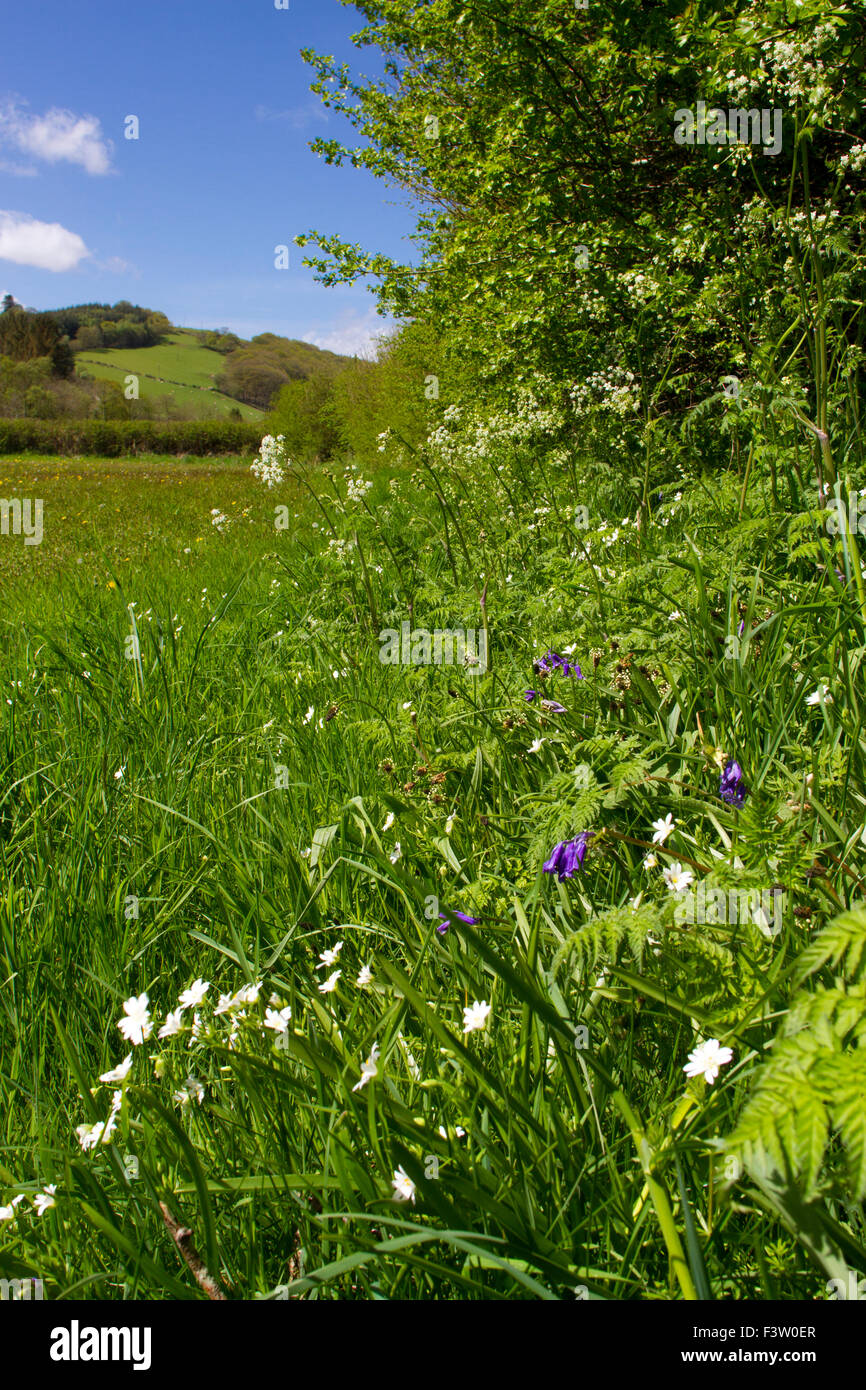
[180, 366]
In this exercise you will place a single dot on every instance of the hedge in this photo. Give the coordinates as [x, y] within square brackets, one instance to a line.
[111, 438]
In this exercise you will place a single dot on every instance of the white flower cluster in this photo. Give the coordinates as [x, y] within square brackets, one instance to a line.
[525, 422]
[218, 518]
[268, 467]
[855, 159]
[614, 390]
[357, 489]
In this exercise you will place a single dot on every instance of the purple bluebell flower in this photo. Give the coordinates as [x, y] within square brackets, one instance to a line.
[553, 707]
[731, 787]
[567, 856]
[445, 922]
[529, 696]
[552, 661]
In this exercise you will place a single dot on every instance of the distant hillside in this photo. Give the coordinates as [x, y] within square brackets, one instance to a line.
[76, 361]
[177, 367]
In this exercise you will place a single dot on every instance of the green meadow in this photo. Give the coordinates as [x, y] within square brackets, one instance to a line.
[432, 858]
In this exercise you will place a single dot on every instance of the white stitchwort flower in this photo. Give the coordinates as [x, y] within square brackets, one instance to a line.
[278, 1019]
[136, 1026]
[330, 984]
[44, 1200]
[535, 746]
[820, 696]
[7, 1213]
[369, 1069]
[706, 1059]
[396, 853]
[389, 821]
[662, 828]
[650, 862]
[365, 975]
[173, 1024]
[329, 957]
[475, 1016]
[194, 995]
[677, 878]
[404, 1188]
[120, 1072]
[192, 1089]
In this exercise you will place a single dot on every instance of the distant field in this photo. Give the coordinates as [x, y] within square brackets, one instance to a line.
[178, 367]
[108, 519]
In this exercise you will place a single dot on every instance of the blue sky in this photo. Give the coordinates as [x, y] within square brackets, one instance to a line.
[186, 218]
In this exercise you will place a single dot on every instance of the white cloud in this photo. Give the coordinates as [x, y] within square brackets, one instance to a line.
[45, 245]
[297, 117]
[354, 336]
[58, 135]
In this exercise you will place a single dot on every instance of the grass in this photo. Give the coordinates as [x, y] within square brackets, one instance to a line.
[210, 775]
[179, 367]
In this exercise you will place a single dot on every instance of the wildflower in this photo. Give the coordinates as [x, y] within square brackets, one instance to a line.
[190, 1090]
[445, 921]
[268, 466]
[7, 1213]
[552, 661]
[567, 856]
[553, 707]
[365, 975]
[329, 957]
[396, 853]
[662, 828]
[120, 1072]
[675, 616]
[369, 1069]
[309, 714]
[173, 1024]
[136, 1026]
[43, 1201]
[389, 821]
[449, 825]
[706, 1060]
[225, 1005]
[677, 878]
[475, 1016]
[119, 774]
[194, 995]
[535, 746]
[90, 1135]
[821, 696]
[249, 994]
[731, 788]
[404, 1188]
[330, 984]
[529, 696]
[650, 862]
[278, 1019]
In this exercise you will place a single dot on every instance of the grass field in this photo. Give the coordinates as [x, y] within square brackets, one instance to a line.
[179, 367]
[229, 826]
